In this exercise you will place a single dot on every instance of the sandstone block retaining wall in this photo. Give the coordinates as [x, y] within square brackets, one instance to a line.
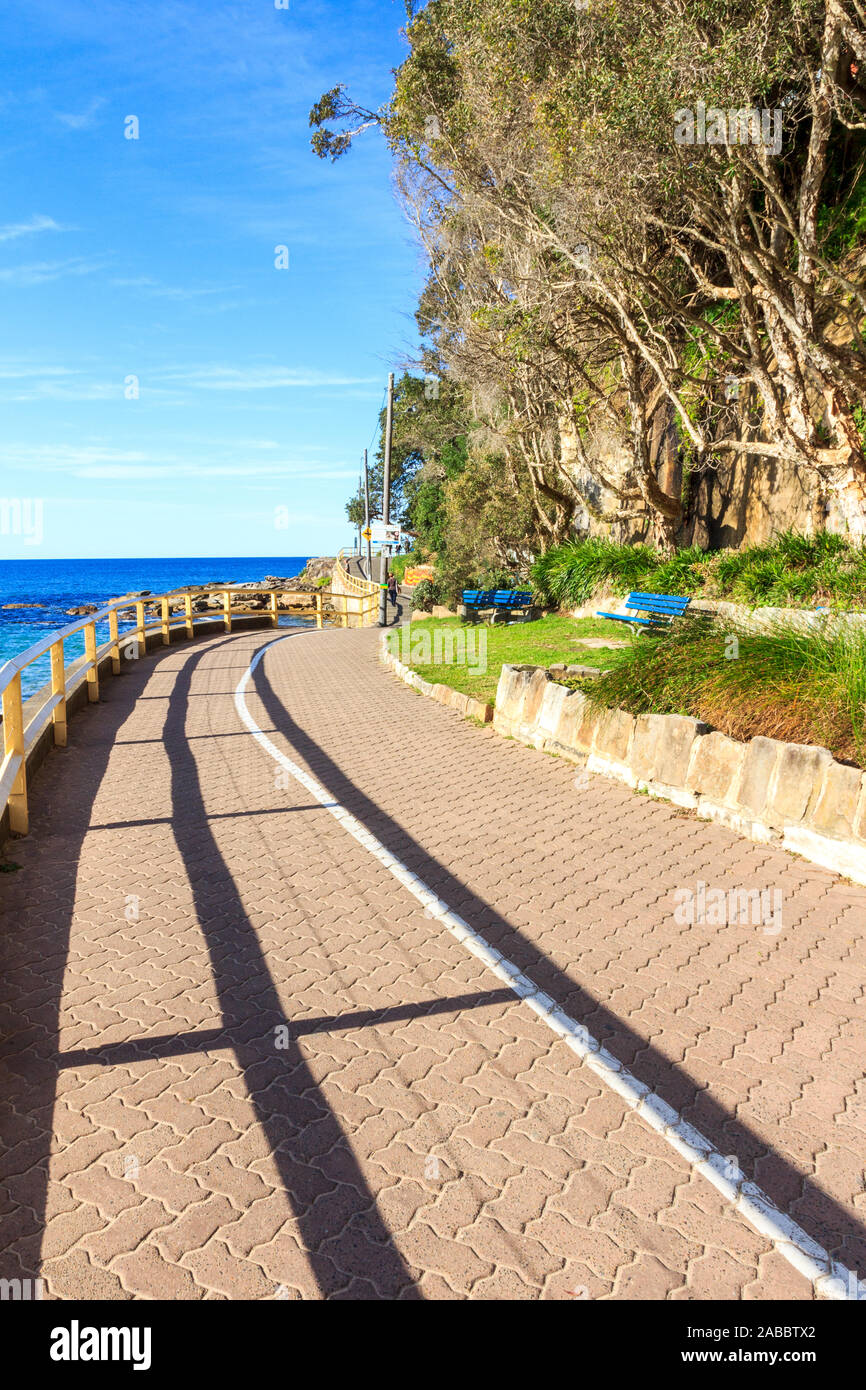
[766, 790]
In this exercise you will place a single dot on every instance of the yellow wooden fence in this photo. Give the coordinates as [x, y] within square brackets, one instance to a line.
[24, 722]
[363, 594]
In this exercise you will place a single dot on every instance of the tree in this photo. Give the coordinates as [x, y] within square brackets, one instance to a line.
[623, 205]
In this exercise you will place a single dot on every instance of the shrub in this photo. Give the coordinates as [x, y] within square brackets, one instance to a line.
[792, 571]
[399, 564]
[424, 596]
[571, 573]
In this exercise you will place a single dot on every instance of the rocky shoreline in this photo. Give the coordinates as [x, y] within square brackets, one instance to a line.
[307, 584]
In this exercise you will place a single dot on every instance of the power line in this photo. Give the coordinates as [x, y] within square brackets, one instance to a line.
[377, 427]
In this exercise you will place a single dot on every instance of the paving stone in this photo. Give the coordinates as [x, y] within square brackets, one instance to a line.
[420, 1134]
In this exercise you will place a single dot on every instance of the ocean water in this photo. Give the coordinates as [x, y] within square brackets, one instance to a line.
[60, 584]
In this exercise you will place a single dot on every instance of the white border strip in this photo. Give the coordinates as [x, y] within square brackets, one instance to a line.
[830, 1279]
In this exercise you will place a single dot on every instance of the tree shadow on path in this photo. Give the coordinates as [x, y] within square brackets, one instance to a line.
[338, 1222]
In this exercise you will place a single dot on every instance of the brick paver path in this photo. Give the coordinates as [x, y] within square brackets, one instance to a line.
[414, 1131]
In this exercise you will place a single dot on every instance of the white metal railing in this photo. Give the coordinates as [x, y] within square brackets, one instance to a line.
[50, 702]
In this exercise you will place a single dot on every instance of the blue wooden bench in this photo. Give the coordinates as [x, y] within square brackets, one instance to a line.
[660, 611]
[477, 598]
[500, 603]
[507, 601]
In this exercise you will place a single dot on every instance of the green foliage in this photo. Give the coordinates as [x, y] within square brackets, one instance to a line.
[427, 513]
[424, 596]
[355, 509]
[399, 564]
[682, 574]
[428, 444]
[793, 571]
[842, 224]
[524, 128]
[571, 573]
[803, 687]
[485, 522]
[543, 642]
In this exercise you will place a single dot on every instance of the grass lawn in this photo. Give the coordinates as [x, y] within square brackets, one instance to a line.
[802, 687]
[545, 642]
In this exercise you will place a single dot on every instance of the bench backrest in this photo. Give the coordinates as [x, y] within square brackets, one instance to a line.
[658, 605]
[512, 598]
[501, 598]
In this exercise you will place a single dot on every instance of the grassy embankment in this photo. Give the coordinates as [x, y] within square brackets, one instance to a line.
[802, 687]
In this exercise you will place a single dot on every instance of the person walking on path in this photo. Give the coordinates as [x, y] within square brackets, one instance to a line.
[392, 588]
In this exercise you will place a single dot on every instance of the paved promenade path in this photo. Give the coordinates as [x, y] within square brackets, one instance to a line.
[240, 1061]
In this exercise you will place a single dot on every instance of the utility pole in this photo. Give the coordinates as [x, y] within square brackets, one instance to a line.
[367, 517]
[386, 505]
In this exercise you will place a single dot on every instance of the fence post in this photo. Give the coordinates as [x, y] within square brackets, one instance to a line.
[275, 615]
[90, 653]
[227, 610]
[58, 687]
[140, 634]
[319, 608]
[166, 630]
[187, 608]
[13, 742]
[115, 643]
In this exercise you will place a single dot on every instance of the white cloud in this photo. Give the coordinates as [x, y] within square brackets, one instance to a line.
[31, 382]
[81, 120]
[37, 223]
[108, 462]
[41, 272]
[216, 378]
[20, 371]
[136, 472]
[156, 288]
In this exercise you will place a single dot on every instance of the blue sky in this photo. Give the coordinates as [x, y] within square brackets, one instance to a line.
[154, 258]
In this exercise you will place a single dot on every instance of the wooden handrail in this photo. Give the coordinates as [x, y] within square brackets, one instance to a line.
[175, 610]
[364, 587]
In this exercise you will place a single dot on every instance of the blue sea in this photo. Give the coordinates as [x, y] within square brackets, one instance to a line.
[61, 584]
